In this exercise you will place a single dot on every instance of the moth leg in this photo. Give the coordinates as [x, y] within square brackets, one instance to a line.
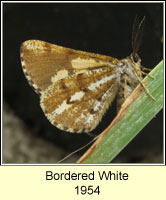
[145, 69]
[145, 73]
[144, 86]
[151, 76]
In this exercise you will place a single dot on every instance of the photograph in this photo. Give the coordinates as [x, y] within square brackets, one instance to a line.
[82, 83]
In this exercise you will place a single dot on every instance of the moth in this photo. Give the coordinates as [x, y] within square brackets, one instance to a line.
[75, 87]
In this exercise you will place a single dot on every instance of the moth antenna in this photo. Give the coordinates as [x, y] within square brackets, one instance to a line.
[137, 33]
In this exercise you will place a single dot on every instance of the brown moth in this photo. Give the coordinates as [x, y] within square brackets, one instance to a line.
[76, 87]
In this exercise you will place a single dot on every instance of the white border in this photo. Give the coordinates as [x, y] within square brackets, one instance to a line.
[65, 164]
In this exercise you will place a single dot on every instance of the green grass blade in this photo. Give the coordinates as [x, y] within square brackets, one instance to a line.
[138, 114]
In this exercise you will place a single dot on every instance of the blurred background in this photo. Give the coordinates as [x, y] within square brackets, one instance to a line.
[103, 28]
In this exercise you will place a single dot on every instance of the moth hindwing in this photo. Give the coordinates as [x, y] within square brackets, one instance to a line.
[77, 87]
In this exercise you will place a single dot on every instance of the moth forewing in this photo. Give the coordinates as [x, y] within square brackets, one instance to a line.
[42, 61]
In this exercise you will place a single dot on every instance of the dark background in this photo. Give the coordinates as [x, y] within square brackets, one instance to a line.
[103, 28]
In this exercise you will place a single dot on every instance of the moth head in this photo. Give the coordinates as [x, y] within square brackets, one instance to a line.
[135, 59]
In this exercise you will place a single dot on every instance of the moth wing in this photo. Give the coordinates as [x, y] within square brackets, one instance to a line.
[44, 63]
[77, 103]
